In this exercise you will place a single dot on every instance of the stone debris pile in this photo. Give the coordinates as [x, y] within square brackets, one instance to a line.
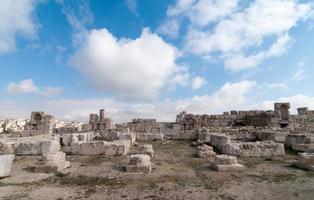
[205, 151]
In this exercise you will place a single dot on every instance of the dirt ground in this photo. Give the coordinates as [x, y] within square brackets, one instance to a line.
[177, 174]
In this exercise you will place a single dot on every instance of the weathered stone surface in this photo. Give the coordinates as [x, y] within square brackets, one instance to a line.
[254, 149]
[226, 163]
[128, 136]
[111, 148]
[5, 165]
[29, 148]
[304, 142]
[138, 163]
[90, 148]
[149, 137]
[219, 140]
[29, 145]
[147, 149]
[50, 146]
[52, 162]
[205, 151]
[306, 161]
[68, 138]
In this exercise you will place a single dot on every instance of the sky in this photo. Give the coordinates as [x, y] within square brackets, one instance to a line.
[154, 58]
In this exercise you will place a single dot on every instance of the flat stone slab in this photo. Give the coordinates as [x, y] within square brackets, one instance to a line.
[228, 168]
[6, 165]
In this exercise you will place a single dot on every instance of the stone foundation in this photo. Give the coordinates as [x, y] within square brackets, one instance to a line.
[254, 149]
[111, 148]
[143, 137]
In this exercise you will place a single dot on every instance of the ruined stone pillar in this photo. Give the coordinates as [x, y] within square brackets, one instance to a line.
[101, 114]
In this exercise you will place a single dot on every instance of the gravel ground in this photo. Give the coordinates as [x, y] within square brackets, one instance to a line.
[177, 174]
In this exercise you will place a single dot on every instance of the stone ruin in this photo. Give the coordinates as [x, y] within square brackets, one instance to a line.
[39, 124]
[221, 138]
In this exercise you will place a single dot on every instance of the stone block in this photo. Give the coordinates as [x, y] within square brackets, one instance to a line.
[225, 163]
[306, 161]
[225, 160]
[91, 148]
[219, 140]
[149, 137]
[128, 136]
[205, 151]
[139, 163]
[147, 149]
[6, 165]
[28, 148]
[50, 146]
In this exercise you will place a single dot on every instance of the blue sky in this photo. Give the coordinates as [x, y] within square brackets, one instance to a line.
[153, 59]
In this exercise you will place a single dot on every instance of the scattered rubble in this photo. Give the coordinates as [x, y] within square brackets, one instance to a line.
[205, 151]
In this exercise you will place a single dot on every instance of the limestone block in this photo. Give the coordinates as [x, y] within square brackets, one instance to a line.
[53, 158]
[226, 163]
[5, 165]
[219, 140]
[149, 137]
[66, 139]
[123, 147]
[205, 151]
[128, 136]
[7, 147]
[50, 146]
[29, 148]
[254, 149]
[139, 163]
[147, 149]
[225, 160]
[91, 148]
[306, 161]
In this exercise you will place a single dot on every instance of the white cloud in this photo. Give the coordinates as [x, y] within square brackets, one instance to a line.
[201, 12]
[296, 101]
[24, 86]
[232, 31]
[170, 28]
[132, 69]
[28, 87]
[16, 20]
[51, 91]
[198, 82]
[277, 85]
[132, 6]
[300, 74]
[229, 96]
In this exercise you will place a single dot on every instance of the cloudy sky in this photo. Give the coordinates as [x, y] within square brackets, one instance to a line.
[154, 58]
